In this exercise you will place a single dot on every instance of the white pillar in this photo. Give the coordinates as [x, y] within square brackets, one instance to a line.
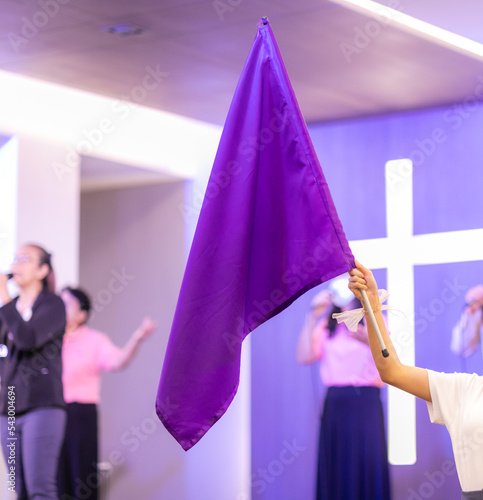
[219, 465]
[48, 202]
[8, 202]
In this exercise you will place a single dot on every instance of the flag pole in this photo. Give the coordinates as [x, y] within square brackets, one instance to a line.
[368, 308]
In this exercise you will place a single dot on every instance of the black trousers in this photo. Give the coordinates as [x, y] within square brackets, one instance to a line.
[78, 475]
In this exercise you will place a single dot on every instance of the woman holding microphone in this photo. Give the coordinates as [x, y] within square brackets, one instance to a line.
[32, 414]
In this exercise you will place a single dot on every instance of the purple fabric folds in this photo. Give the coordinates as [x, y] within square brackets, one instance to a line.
[268, 231]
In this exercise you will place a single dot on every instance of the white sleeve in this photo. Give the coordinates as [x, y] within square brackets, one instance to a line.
[447, 390]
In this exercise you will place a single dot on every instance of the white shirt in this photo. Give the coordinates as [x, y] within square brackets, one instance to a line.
[457, 403]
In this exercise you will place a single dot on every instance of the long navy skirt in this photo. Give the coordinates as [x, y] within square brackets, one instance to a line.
[352, 446]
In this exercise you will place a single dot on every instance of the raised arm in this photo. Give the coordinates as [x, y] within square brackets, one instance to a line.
[407, 378]
[130, 349]
[465, 335]
[309, 345]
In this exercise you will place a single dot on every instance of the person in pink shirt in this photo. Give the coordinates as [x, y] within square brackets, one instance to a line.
[352, 462]
[86, 354]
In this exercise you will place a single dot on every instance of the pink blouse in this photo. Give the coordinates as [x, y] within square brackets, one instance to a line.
[86, 353]
[346, 360]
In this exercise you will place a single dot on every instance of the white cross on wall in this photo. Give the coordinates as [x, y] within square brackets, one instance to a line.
[399, 252]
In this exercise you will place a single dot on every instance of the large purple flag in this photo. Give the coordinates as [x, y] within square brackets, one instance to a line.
[268, 231]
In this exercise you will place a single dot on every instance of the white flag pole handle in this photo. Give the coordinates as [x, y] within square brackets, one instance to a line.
[368, 308]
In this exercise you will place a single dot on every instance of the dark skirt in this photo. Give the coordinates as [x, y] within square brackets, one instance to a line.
[78, 476]
[352, 446]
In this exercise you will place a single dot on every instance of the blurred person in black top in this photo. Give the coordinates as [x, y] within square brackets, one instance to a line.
[32, 409]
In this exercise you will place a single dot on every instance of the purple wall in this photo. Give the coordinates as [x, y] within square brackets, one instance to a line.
[447, 152]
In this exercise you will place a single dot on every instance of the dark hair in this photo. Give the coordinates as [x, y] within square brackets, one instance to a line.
[82, 297]
[332, 322]
[48, 283]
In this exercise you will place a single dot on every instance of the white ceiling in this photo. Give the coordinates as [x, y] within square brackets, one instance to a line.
[198, 48]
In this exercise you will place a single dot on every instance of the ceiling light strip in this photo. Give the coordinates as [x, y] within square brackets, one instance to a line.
[420, 28]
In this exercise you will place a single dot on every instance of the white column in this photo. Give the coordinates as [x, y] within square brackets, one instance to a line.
[8, 202]
[48, 202]
[219, 465]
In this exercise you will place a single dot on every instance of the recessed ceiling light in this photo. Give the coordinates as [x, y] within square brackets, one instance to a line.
[124, 29]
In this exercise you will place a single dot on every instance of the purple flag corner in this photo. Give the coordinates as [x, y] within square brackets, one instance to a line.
[268, 232]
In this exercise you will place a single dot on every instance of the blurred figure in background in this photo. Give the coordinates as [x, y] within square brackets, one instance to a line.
[352, 462]
[466, 335]
[86, 354]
